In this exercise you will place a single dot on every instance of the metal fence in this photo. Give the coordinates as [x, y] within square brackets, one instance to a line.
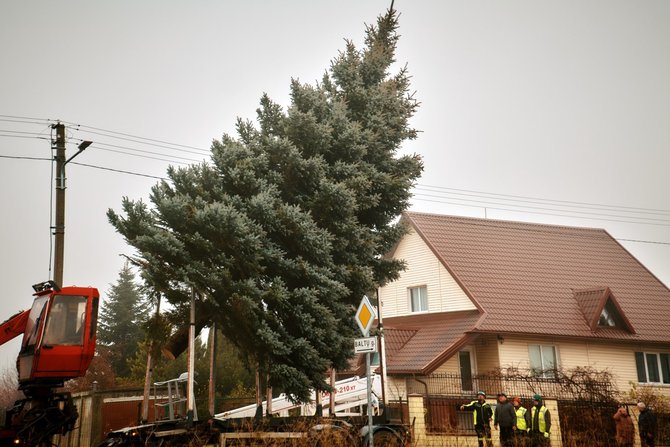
[585, 403]
[561, 386]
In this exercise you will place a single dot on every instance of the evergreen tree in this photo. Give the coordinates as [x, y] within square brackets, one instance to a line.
[120, 325]
[287, 227]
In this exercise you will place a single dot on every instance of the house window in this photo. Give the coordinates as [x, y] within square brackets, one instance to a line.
[652, 367]
[609, 317]
[418, 297]
[543, 360]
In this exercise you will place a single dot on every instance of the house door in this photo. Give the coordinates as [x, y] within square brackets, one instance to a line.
[465, 362]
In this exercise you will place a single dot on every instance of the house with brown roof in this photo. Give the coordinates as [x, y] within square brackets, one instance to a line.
[479, 295]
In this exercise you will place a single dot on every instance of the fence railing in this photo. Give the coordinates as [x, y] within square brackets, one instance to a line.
[560, 386]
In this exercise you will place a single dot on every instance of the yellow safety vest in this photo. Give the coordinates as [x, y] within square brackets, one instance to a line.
[521, 419]
[474, 411]
[542, 425]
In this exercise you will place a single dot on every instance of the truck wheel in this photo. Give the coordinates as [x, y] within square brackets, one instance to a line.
[387, 439]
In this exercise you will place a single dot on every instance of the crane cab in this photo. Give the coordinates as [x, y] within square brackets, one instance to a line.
[59, 338]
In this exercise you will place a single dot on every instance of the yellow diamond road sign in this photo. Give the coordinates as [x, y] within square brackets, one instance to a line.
[365, 315]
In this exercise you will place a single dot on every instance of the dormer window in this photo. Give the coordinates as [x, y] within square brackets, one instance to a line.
[609, 316]
[606, 319]
[601, 310]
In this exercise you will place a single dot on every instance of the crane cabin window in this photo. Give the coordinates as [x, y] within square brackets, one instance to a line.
[66, 321]
[33, 324]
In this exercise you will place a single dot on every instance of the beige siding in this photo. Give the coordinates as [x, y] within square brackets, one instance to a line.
[618, 358]
[451, 366]
[487, 357]
[423, 268]
[396, 388]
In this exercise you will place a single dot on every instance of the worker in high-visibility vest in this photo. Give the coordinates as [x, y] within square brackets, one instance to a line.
[482, 414]
[540, 423]
[522, 418]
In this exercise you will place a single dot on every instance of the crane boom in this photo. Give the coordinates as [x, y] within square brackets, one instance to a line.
[13, 326]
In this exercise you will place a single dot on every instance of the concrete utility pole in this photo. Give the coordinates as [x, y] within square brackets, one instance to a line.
[59, 227]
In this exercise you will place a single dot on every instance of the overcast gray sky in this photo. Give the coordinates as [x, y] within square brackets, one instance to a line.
[541, 111]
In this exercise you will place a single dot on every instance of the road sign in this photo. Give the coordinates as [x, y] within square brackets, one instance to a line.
[367, 344]
[365, 315]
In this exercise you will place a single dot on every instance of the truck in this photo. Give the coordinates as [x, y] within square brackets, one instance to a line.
[59, 338]
[291, 423]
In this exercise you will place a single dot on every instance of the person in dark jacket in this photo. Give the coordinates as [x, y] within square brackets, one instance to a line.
[646, 423]
[505, 418]
[540, 423]
[482, 413]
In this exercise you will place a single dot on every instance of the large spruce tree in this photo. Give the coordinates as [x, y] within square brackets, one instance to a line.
[287, 227]
[122, 316]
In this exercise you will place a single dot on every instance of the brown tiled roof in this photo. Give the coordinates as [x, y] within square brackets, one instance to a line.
[589, 302]
[421, 343]
[523, 276]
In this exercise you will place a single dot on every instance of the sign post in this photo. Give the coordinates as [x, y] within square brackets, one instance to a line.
[365, 315]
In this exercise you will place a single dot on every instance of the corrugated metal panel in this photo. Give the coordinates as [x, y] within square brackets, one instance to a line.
[120, 414]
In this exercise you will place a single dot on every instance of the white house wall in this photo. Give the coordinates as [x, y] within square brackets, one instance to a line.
[423, 268]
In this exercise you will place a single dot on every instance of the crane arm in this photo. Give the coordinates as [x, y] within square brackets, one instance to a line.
[13, 326]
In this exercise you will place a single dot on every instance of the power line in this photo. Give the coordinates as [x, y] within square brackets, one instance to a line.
[99, 143]
[590, 213]
[137, 137]
[199, 152]
[121, 171]
[21, 132]
[118, 170]
[544, 213]
[23, 121]
[16, 157]
[41, 120]
[141, 156]
[540, 199]
[86, 165]
[643, 241]
[26, 136]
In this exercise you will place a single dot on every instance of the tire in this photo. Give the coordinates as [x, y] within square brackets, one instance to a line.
[385, 438]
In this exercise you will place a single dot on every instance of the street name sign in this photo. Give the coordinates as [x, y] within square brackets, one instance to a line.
[367, 344]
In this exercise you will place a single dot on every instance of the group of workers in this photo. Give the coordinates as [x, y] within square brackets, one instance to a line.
[522, 427]
[518, 425]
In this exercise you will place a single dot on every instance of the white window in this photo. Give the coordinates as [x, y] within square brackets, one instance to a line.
[652, 367]
[543, 360]
[418, 299]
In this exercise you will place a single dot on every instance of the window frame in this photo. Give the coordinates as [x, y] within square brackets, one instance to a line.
[423, 287]
[544, 373]
[663, 373]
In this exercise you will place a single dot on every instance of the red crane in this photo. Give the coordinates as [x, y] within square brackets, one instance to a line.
[58, 345]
